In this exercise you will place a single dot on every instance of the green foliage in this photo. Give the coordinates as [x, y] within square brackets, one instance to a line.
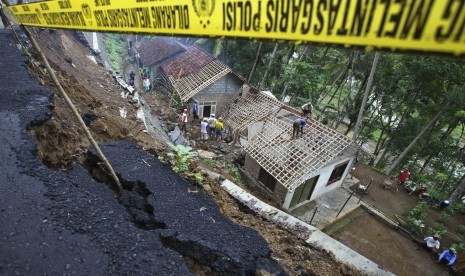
[181, 156]
[417, 216]
[115, 45]
[458, 207]
[459, 243]
[211, 162]
[234, 172]
[437, 229]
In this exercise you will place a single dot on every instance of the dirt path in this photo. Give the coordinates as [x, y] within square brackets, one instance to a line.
[388, 248]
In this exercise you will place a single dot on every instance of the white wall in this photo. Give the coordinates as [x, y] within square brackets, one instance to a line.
[321, 188]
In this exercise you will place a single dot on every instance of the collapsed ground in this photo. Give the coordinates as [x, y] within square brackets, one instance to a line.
[97, 97]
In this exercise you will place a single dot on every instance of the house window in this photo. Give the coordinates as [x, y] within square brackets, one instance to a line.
[206, 109]
[337, 173]
[267, 179]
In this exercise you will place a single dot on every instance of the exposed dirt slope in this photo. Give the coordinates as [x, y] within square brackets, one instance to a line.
[93, 91]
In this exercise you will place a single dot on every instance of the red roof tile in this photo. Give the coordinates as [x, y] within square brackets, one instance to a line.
[159, 49]
[188, 62]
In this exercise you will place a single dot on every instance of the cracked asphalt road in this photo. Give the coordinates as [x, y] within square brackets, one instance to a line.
[66, 223]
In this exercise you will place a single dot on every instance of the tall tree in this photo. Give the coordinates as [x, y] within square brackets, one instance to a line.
[265, 75]
[365, 96]
[414, 142]
[257, 55]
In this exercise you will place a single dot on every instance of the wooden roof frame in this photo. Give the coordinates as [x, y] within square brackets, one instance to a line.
[289, 161]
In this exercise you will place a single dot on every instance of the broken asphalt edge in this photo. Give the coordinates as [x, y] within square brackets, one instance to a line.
[310, 234]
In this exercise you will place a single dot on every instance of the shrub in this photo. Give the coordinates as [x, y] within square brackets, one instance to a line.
[417, 216]
[181, 157]
[234, 172]
[437, 228]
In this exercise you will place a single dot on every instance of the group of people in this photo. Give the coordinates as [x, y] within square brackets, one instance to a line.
[405, 179]
[145, 80]
[299, 123]
[447, 256]
[210, 128]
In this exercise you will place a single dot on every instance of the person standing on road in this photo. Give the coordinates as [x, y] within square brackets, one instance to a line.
[211, 125]
[203, 130]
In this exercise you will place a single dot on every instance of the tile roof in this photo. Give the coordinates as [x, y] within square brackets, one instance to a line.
[191, 61]
[159, 49]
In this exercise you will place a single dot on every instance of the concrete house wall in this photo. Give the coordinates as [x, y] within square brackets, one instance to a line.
[324, 173]
[322, 186]
[221, 92]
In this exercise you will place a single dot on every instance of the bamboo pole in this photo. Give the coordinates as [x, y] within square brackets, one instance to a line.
[73, 109]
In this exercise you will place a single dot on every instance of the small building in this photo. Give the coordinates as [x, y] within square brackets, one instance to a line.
[189, 72]
[292, 171]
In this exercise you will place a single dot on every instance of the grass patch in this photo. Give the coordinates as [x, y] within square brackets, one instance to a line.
[115, 45]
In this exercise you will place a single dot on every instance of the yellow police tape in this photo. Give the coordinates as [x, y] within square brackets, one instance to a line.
[413, 25]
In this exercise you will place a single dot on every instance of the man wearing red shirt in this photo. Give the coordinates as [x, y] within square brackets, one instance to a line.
[403, 176]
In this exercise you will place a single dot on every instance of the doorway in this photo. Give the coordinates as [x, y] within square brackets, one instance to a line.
[206, 109]
[304, 192]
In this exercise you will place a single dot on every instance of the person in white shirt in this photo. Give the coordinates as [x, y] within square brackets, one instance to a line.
[432, 243]
[184, 121]
[203, 130]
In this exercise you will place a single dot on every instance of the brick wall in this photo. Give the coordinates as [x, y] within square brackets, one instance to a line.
[220, 92]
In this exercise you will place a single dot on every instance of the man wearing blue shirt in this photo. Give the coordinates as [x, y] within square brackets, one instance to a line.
[448, 256]
[298, 127]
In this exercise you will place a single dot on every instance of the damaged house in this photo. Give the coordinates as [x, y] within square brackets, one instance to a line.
[189, 72]
[292, 171]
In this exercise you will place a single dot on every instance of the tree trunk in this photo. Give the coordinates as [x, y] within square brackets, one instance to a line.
[414, 142]
[365, 96]
[273, 55]
[257, 55]
[458, 190]
[292, 73]
[341, 74]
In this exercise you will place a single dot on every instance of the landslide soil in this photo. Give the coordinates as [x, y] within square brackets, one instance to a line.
[93, 91]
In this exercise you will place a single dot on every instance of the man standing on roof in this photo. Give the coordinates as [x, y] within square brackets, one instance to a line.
[195, 111]
[298, 127]
[307, 109]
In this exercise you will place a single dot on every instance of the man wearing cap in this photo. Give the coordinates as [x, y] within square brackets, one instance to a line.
[432, 243]
[448, 257]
